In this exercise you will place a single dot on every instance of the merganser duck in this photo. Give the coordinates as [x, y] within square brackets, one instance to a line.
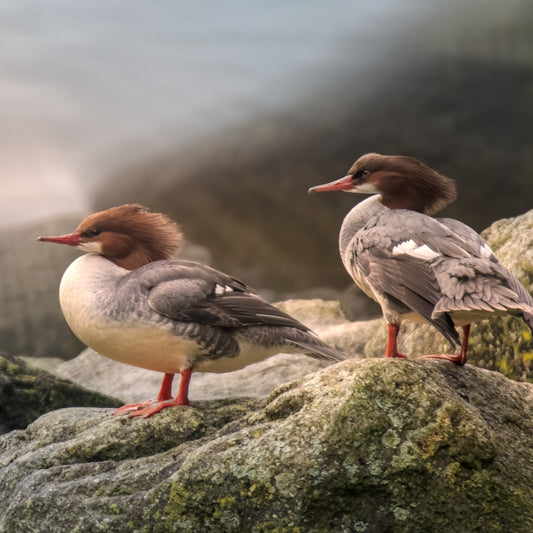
[130, 302]
[419, 267]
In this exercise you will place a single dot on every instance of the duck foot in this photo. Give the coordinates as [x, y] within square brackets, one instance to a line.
[148, 411]
[148, 408]
[164, 399]
[165, 393]
[397, 356]
[133, 407]
[458, 359]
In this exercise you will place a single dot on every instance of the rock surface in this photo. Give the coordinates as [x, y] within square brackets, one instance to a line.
[368, 446]
[26, 393]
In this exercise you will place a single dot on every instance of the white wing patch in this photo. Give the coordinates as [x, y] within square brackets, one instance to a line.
[485, 251]
[414, 250]
[222, 289]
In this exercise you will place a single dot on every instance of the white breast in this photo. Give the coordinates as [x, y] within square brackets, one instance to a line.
[87, 295]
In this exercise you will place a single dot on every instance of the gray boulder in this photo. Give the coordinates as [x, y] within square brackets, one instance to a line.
[369, 446]
[26, 393]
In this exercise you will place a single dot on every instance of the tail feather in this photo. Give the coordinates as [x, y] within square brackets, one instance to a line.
[528, 318]
[443, 323]
[320, 349]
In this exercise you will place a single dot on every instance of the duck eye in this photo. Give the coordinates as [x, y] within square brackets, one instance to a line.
[362, 174]
[93, 232]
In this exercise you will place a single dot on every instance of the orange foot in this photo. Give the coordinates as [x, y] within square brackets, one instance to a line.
[164, 399]
[458, 359]
[133, 407]
[397, 355]
[148, 411]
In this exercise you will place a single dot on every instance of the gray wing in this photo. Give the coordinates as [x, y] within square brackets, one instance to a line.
[193, 293]
[478, 281]
[406, 282]
[436, 267]
[186, 291]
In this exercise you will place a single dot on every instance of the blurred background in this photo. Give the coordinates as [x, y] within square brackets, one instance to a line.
[223, 115]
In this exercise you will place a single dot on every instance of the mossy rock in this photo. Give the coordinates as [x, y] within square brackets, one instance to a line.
[372, 445]
[26, 393]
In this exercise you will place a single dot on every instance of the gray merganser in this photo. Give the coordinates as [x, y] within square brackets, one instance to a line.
[416, 266]
[130, 302]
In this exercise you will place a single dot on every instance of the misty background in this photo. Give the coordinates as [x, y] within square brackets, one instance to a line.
[223, 115]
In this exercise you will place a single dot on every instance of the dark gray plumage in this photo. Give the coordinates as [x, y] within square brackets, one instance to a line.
[221, 306]
[461, 275]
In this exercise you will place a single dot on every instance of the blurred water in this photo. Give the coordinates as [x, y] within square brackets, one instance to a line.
[85, 86]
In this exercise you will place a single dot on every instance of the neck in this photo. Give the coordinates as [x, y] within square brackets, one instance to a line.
[357, 218]
[137, 258]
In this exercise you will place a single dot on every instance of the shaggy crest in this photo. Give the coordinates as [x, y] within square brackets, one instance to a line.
[130, 235]
[406, 183]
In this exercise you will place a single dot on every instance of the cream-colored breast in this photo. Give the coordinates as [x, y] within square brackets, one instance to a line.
[87, 296]
[150, 348]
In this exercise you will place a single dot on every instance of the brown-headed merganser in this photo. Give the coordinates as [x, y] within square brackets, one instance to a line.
[416, 266]
[130, 302]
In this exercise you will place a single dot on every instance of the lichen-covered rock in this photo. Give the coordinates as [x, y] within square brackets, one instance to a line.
[511, 239]
[316, 313]
[26, 393]
[503, 343]
[370, 446]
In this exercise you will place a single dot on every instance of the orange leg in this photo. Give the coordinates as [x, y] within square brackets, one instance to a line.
[392, 349]
[181, 399]
[458, 359]
[165, 393]
[164, 398]
[183, 392]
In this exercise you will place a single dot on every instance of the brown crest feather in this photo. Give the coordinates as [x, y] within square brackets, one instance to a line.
[132, 236]
[407, 183]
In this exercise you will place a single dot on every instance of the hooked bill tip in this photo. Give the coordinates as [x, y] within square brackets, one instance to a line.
[72, 239]
[319, 188]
